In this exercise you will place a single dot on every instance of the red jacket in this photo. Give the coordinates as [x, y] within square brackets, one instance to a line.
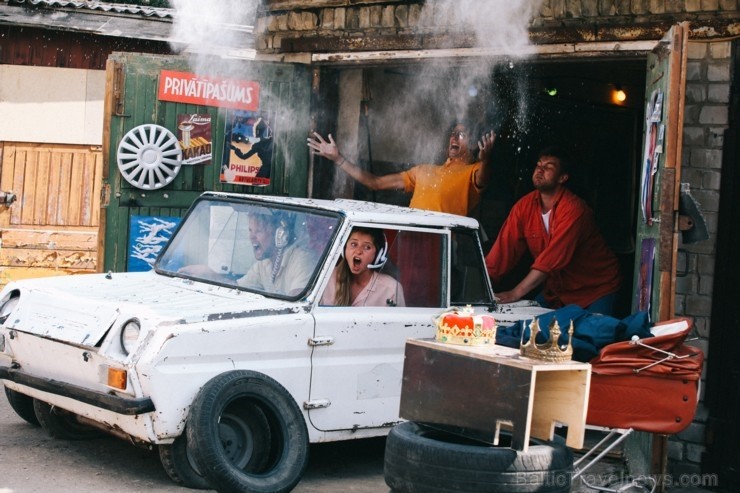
[580, 266]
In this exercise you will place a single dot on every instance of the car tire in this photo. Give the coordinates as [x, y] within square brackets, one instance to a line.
[419, 459]
[180, 466]
[62, 424]
[22, 405]
[251, 406]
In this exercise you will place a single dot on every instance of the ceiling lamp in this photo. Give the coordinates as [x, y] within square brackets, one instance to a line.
[619, 96]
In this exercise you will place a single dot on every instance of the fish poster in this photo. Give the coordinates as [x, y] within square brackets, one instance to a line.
[147, 236]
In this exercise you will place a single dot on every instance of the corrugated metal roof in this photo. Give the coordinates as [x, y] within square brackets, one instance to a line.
[120, 21]
[118, 8]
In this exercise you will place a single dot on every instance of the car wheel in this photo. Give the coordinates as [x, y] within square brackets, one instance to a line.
[246, 433]
[22, 405]
[421, 459]
[62, 424]
[180, 465]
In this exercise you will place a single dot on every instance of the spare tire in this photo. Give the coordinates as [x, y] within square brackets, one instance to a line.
[421, 459]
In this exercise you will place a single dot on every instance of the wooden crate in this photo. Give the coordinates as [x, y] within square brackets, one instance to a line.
[480, 390]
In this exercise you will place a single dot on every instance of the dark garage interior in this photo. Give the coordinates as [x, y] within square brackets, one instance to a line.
[404, 111]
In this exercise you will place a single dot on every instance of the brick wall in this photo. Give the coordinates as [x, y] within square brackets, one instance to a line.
[708, 81]
[356, 25]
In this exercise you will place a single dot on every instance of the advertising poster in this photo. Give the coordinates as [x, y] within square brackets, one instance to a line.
[194, 135]
[645, 279]
[147, 236]
[248, 147]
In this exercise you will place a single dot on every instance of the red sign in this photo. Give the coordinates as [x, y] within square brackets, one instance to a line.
[184, 87]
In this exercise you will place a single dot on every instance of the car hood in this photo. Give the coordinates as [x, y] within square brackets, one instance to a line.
[81, 309]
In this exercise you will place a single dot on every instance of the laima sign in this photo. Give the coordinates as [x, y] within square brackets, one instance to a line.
[185, 87]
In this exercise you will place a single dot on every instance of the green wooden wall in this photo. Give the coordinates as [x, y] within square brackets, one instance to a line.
[284, 93]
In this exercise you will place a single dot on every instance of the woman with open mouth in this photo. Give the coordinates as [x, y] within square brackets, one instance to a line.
[356, 280]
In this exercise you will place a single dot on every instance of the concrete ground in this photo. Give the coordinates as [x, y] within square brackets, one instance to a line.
[610, 473]
[33, 462]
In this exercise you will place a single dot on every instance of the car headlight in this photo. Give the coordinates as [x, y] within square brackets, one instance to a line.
[130, 335]
[7, 306]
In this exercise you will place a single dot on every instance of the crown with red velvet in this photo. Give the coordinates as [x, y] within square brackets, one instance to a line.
[463, 326]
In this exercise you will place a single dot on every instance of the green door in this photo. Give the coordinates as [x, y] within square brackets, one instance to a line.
[132, 85]
[657, 223]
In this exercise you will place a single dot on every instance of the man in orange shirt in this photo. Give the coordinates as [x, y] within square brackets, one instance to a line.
[453, 187]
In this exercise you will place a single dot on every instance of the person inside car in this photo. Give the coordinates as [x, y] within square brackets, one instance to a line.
[280, 267]
[356, 281]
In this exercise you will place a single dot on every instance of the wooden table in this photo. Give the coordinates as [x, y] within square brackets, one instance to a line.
[478, 390]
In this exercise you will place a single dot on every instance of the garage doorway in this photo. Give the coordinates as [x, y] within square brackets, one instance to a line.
[403, 112]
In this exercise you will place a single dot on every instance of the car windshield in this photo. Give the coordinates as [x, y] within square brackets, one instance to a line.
[267, 248]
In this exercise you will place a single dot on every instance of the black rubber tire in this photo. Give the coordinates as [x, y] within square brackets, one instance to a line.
[62, 424]
[420, 459]
[251, 405]
[22, 405]
[180, 466]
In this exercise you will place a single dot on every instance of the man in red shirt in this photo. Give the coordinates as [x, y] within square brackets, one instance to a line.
[571, 259]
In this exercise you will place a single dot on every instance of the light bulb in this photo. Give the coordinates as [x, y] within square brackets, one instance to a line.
[618, 95]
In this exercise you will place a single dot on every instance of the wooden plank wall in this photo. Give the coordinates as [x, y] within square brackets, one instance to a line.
[52, 227]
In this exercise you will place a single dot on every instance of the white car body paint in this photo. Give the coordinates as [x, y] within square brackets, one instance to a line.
[342, 365]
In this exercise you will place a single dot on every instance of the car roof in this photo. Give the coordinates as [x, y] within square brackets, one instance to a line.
[362, 211]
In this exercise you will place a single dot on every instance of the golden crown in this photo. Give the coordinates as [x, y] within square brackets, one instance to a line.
[549, 350]
[462, 326]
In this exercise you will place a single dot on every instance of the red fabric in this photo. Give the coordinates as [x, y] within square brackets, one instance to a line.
[418, 257]
[623, 358]
[659, 399]
[580, 266]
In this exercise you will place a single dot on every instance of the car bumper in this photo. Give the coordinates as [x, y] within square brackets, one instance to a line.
[121, 405]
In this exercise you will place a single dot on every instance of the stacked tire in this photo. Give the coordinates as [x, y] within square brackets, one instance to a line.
[422, 459]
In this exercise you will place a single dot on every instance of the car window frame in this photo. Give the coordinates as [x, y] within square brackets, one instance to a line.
[318, 268]
[343, 236]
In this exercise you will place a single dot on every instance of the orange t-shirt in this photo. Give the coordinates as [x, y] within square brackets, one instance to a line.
[448, 188]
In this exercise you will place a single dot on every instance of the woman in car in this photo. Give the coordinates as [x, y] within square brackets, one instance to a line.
[356, 281]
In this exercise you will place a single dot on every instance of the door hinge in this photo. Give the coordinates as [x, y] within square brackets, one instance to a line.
[119, 79]
[7, 198]
[316, 404]
[321, 341]
[105, 195]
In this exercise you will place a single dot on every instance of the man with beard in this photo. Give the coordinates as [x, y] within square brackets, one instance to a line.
[571, 259]
[281, 266]
[453, 187]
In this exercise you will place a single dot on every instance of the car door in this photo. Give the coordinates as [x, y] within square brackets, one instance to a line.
[357, 361]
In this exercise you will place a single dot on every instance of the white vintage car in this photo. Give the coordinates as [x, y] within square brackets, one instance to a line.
[231, 378]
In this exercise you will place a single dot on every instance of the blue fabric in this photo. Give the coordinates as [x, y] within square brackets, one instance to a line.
[604, 305]
[591, 331]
